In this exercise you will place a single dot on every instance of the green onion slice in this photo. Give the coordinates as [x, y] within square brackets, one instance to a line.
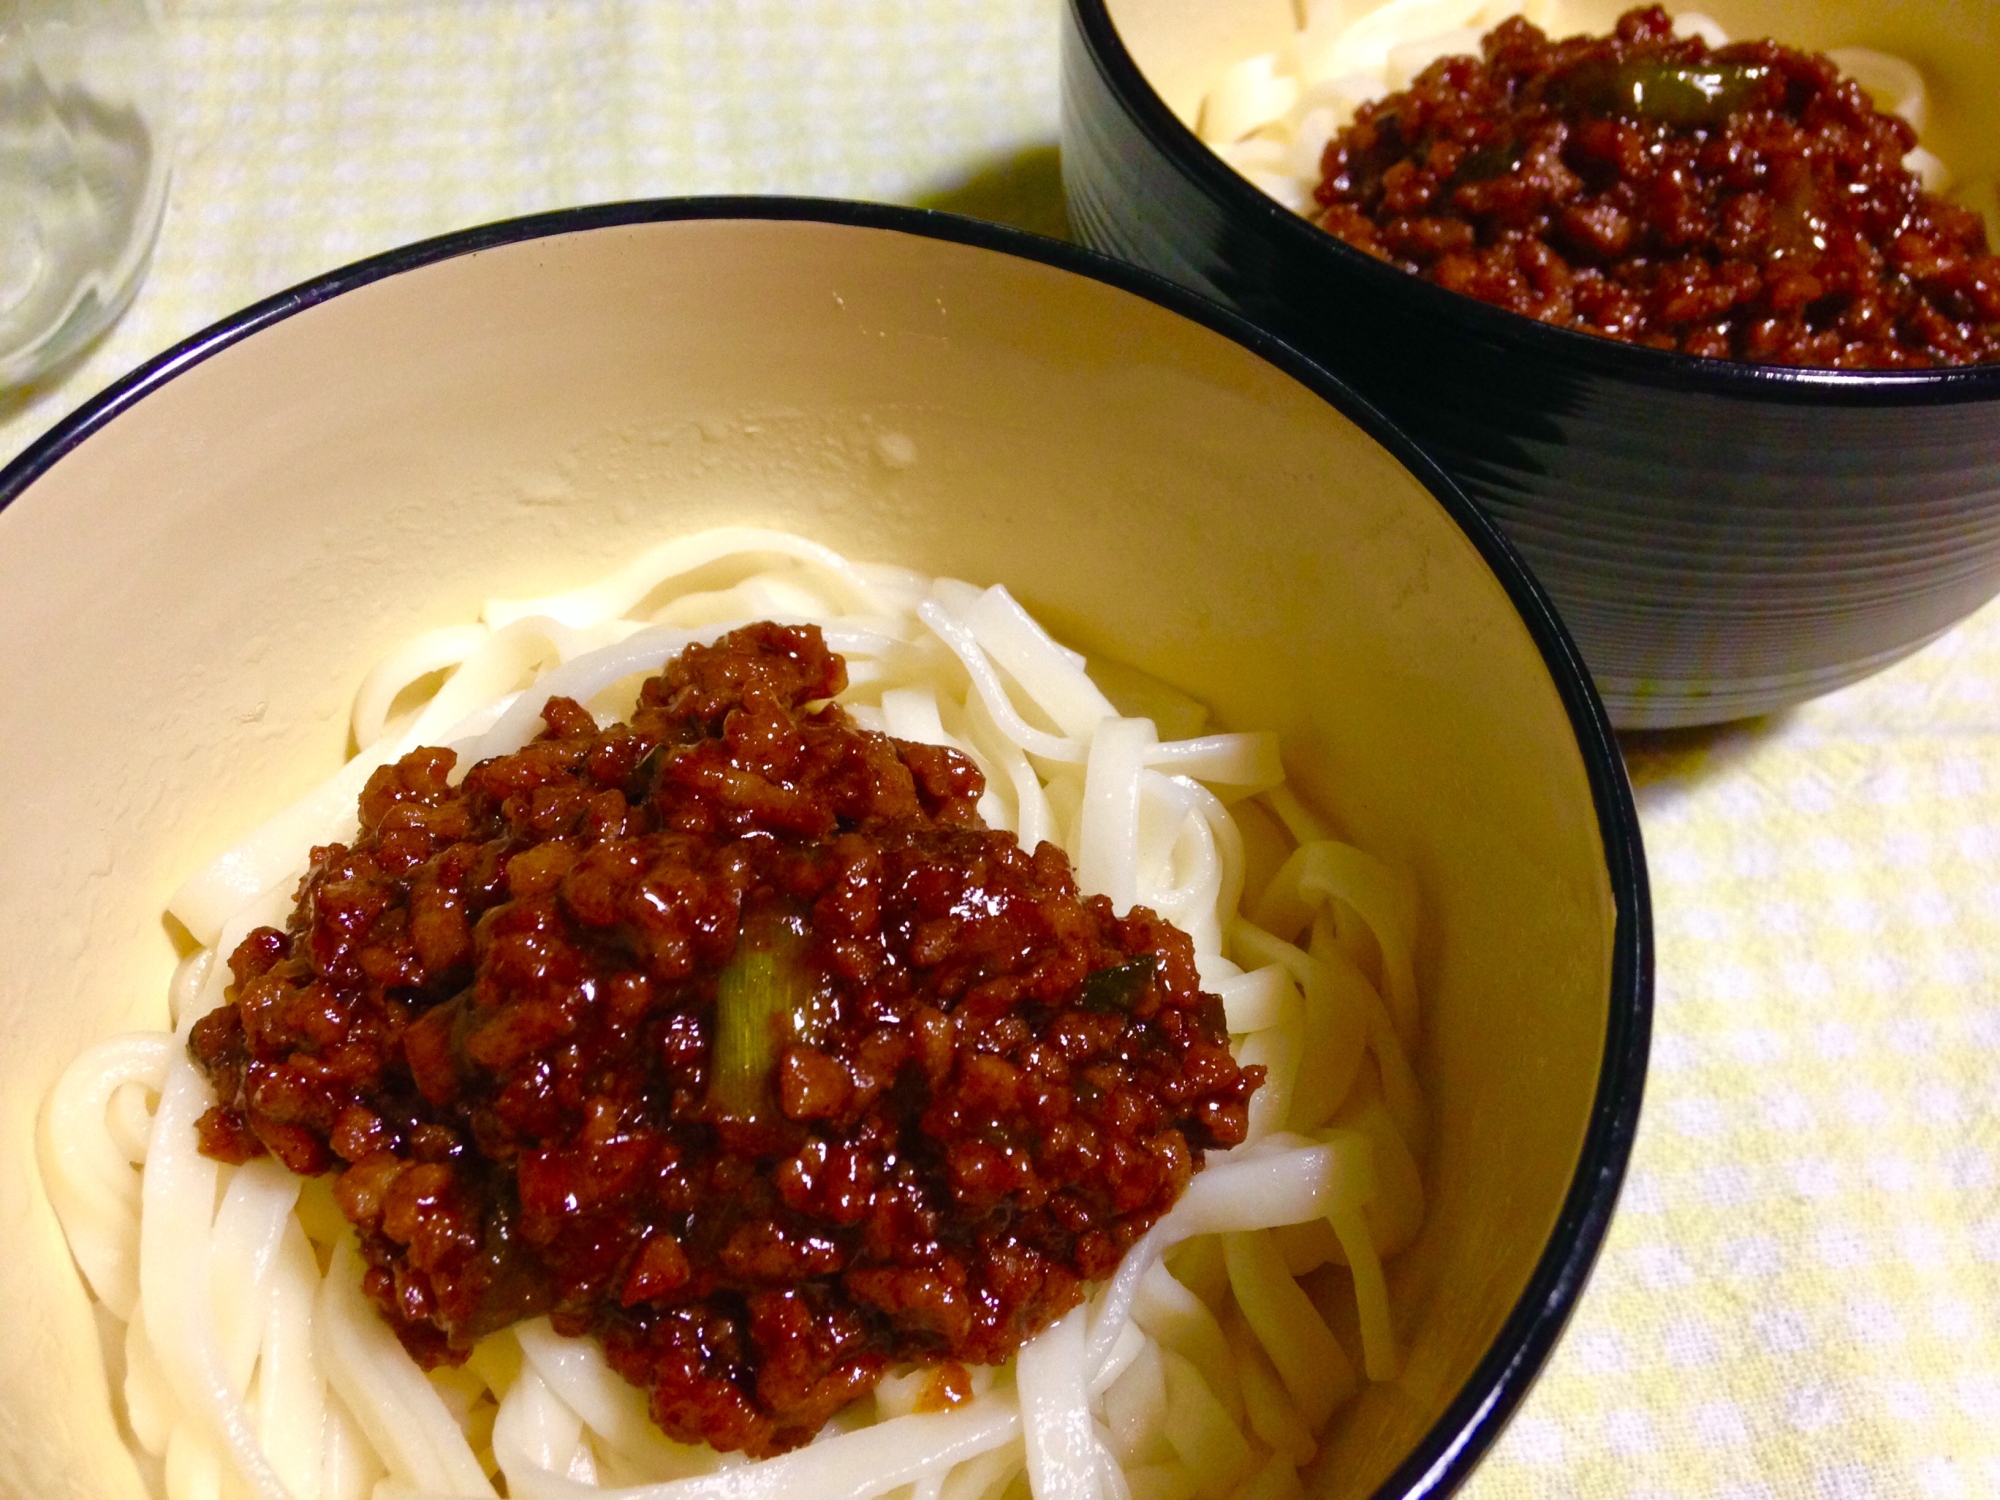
[757, 995]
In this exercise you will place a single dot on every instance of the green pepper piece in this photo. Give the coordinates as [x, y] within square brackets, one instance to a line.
[1679, 94]
[1686, 96]
[1118, 987]
[1494, 159]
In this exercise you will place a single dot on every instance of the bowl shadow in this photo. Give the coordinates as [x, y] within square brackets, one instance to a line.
[1022, 189]
[1664, 763]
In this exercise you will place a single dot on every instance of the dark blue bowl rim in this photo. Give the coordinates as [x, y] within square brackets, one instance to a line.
[1636, 363]
[1469, 1425]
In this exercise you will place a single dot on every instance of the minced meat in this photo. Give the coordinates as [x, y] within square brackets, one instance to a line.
[1746, 202]
[729, 1035]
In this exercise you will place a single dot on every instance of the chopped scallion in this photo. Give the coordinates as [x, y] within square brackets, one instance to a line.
[756, 996]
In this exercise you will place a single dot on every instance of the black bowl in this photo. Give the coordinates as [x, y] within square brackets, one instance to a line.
[1723, 539]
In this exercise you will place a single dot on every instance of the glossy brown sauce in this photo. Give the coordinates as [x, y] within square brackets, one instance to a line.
[1746, 202]
[729, 1035]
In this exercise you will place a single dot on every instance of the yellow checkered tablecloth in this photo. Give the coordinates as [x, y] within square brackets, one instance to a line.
[314, 132]
[1799, 1294]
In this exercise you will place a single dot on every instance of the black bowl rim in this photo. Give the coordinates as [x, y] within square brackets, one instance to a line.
[1475, 1416]
[1658, 368]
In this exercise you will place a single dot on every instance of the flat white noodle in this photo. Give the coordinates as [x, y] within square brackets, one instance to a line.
[1315, 1369]
[256, 1208]
[177, 1198]
[1367, 43]
[539, 1442]
[417, 658]
[1270, 1412]
[1399, 1083]
[399, 1411]
[1130, 1345]
[1109, 832]
[1244, 763]
[1228, 843]
[349, 1469]
[1320, 23]
[983, 1476]
[1278, 1049]
[583, 677]
[1110, 1477]
[787, 600]
[1179, 1320]
[1301, 822]
[576, 1371]
[1208, 1441]
[92, 1186]
[292, 1420]
[1250, 94]
[1341, 1012]
[1395, 1211]
[149, 1402]
[128, 1123]
[1280, 1180]
[857, 1465]
[911, 713]
[613, 595]
[1173, 859]
[1050, 674]
[1930, 171]
[1378, 1331]
[1135, 1408]
[1326, 870]
[191, 976]
[1406, 60]
[193, 1467]
[898, 589]
[1251, 1001]
[1055, 1412]
[1000, 804]
[1141, 695]
[1034, 821]
[958, 636]
[1186, 873]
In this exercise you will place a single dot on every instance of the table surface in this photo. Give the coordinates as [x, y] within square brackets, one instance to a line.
[1800, 1296]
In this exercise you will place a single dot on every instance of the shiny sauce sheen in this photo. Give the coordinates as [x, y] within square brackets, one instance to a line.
[1746, 202]
[729, 1035]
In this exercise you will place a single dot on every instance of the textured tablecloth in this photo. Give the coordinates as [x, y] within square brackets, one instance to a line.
[1801, 1293]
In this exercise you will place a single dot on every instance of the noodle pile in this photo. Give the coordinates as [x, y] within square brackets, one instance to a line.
[253, 1364]
[1271, 116]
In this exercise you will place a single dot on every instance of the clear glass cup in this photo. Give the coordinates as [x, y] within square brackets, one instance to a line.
[84, 162]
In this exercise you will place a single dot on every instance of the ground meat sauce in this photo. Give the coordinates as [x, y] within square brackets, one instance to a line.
[1746, 202]
[730, 1035]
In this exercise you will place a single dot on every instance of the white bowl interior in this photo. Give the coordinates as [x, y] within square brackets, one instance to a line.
[194, 592]
[1182, 46]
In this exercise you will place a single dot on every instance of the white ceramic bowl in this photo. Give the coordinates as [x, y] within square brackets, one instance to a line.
[196, 570]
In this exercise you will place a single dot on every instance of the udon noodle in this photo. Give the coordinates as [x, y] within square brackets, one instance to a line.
[253, 1365]
[1271, 116]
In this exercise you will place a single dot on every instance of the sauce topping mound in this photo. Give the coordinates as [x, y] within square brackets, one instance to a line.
[1746, 202]
[730, 1035]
